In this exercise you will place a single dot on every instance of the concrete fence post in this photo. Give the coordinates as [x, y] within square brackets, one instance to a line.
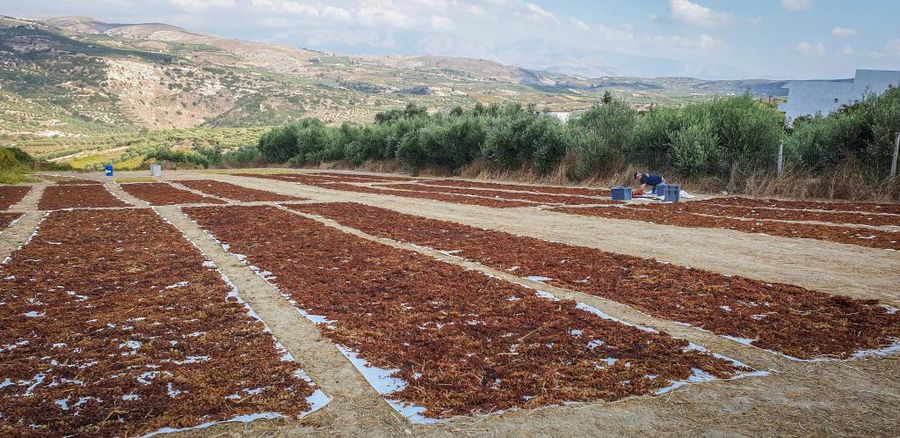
[894, 159]
[781, 158]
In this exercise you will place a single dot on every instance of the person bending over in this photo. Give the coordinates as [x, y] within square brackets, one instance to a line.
[648, 180]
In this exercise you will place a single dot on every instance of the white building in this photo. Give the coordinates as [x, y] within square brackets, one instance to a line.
[808, 98]
[562, 116]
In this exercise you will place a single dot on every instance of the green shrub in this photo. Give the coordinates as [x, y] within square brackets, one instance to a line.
[15, 176]
[16, 166]
[369, 143]
[711, 138]
[279, 144]
[519, 136]
[652, 135]
[8, 160]
[245, 156]
[190, 158]
[746, 133]
[696, 151]
[602, 137]
[551, 141]
[414, 147]
[462, 141]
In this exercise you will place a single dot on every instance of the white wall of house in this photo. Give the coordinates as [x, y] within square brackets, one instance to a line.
[808, 98]
[562, 116]
[877, 80]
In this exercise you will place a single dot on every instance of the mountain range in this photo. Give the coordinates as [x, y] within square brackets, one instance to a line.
[69, 76]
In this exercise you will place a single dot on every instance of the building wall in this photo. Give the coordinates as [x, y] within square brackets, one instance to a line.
[808, 98]
[875, 81]
[562, 116]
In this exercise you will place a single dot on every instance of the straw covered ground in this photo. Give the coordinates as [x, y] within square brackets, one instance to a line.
[463, 342]
[165, 194]
[115, 325]
[876, 238]
[10, 195]
[7, 218]
[781, 317]
[233, 192]
[339, 303]
[58, 197]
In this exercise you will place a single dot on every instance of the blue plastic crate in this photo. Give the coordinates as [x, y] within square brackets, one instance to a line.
[659, 190]
[672, 193]
[621, 193]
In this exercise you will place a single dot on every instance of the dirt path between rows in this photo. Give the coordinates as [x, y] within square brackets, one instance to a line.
[118, 192]
[30, 200]
[19, 232]
[831, 267]
[199, 193]
[356, 408]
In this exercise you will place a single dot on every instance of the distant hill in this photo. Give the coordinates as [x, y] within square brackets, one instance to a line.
[77, 75]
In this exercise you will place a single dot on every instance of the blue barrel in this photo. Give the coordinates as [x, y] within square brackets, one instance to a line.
[621, 193]
[109, 170]
[672, 193]
[659, 190]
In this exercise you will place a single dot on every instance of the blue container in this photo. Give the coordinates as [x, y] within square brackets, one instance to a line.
[109, 170]
[672, 193]
[659, 190]
[621, 193]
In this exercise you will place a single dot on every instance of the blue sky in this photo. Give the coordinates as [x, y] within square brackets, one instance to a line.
[713, 39]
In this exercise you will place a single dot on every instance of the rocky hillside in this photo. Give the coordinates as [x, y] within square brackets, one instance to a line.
[75, 75]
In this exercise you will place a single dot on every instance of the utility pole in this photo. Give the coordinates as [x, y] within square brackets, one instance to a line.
[781, 157]
[894, 160]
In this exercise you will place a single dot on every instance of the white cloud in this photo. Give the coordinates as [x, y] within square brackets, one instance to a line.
[336, 13]
[685, 11]
[382, 13]
[473, 9]
[439, 22]
[200, 5]
[579, 24]
[893, 46]
[275, 22]
[355, 37]
[891, 50]
[432, 4]
[538, 13]
[796, 5]
[689, 35]
[843, 32]
[708, 42]
[702, 42]
[370, 13]
[810, 49]
[285, 6]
